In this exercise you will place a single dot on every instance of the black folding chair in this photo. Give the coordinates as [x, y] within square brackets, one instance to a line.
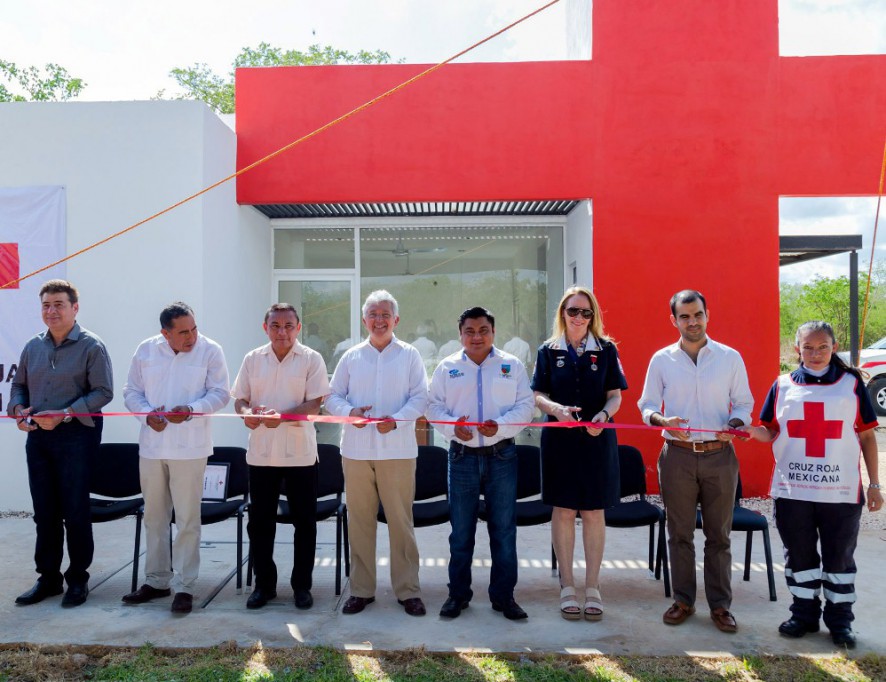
[430, 485]
[330, 488]
[531, 511]
[640, 512]
[232, 502]
[744, 519]
[114, 478]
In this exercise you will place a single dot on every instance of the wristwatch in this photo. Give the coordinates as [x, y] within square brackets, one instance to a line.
[68, 415]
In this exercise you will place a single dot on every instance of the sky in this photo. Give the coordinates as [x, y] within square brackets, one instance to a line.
[125, 50]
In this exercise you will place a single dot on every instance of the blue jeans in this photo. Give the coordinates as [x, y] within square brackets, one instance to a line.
[58, 474]
[495, 477]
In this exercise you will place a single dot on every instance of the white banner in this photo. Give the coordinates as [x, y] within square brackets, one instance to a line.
[32, 235]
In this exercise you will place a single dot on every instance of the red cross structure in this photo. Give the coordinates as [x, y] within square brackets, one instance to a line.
[684, 129]
[815, 429]
[9, 265]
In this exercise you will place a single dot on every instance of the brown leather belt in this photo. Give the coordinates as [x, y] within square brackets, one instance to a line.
[699, 445]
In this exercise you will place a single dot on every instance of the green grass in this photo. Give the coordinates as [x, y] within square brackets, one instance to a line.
[24, 663]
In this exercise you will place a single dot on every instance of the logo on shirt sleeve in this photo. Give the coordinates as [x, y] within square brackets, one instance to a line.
[506, 371]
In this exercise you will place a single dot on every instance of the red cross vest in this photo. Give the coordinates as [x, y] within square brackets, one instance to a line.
[817, 451]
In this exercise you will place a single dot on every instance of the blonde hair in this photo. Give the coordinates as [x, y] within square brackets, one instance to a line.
[595, 325]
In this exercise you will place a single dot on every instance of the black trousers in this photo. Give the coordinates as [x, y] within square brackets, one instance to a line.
[59, 478]
[832, 526]
[300, 487]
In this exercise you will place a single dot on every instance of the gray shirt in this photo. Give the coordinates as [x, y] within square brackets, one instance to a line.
[76, 374]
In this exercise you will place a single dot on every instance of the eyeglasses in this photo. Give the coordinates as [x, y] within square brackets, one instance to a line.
[586, 313]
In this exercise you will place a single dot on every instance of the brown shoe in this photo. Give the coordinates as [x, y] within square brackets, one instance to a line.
[724, 620]
[356, 604]
[145, 593]
[183, 603]
[677, 613]
[414, 606]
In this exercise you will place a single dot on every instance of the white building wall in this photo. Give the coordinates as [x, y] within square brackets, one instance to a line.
[578, 29]
[578, 244]
[121, 162]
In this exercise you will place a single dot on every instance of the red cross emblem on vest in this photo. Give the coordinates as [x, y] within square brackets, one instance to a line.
[815, 429]
[9, 265]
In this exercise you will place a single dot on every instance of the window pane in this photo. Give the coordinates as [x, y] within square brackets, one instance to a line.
[325, 312]
[435, 273]
[318, 249]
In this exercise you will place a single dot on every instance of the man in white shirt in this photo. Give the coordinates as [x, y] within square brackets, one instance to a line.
[484, 385]
[282, 377]
[383, 378]
[697, 383]
[176, 377]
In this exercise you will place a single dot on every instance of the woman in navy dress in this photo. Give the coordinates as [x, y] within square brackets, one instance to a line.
[578, 377]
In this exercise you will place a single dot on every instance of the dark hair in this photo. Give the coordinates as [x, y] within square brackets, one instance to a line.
[836, 360]
[172, 312]
[282, 308]
[474, 313]
[60, 286]
[687, 296]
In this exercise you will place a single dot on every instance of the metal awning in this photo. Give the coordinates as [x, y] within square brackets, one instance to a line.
[424, 208]
[799, 248]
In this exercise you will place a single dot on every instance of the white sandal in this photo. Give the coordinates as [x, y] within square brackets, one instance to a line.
[569, 607]
[593, 609]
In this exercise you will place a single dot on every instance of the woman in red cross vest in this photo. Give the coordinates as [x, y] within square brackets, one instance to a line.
[820, 421]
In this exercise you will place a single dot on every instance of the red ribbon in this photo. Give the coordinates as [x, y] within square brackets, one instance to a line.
[332, 419]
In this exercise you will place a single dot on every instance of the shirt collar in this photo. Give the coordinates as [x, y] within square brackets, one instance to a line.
[592, 344]
[73, 335]
[297, 349]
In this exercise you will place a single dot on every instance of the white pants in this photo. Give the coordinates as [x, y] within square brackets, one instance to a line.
[169, 484]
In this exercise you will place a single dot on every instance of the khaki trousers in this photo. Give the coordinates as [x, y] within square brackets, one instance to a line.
[392, 482]
[689, 479]
[169, 484]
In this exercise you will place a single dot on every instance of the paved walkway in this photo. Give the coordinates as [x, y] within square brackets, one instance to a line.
[632, 624]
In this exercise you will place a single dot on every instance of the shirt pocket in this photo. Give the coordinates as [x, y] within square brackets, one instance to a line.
[504, 393]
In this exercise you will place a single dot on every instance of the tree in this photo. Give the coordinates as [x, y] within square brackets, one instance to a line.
[827, 298]
[54, 84]
[201, 83]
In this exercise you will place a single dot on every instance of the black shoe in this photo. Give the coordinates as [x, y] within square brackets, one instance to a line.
[356, 604]
[797, 628]
[843, 637]
[510, 609]
[38, 593]
[145, 593]
[259, 598]
[453, 607]
[75, 596]
[182, 603]
[303, 599]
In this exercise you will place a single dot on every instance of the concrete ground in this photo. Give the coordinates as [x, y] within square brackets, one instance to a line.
[632, 623]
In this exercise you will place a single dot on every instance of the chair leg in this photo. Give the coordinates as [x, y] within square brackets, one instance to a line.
[652, 548]
[240, 553]
[767, 548]
[137, 551]
[749, 543]
[663, 558]
[553, 560]
[338, 531]
[347, 544]
[249, 567]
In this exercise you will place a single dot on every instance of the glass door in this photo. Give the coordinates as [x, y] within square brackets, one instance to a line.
[325, 309]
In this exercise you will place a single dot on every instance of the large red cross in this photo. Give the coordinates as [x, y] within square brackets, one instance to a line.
[815, 429]
[684, 129]
[9, 265]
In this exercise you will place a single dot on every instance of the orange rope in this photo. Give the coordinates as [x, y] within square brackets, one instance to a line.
[867, 290]
[289, 146]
